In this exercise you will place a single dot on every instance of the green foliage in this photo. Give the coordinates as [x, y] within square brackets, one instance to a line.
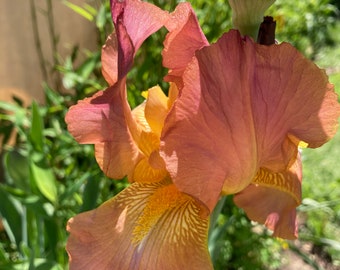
[235, 243]
[305, 24]
[321, 207]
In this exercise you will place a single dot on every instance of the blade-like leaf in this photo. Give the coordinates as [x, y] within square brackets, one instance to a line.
[11, 211]
[36, 132]
[17, 168]
[90, 194]
[81, 11]
[44, 179]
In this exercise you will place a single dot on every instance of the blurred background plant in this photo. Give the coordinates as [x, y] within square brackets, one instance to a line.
[48, 177]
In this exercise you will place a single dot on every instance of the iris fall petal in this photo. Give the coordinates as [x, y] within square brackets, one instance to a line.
[272, 199]
[124, 234]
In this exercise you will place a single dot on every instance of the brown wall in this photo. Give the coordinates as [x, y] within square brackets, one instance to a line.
[19, 62]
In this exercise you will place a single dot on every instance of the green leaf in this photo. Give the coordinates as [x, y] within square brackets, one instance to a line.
[36, 264]
[17, 168]
[81, 11]
[11, 211]
[3, 255]
[73, 188]
[14, 266]
[70, 79]
[90, 9]
[88, 66]
[38, 206]
[10, 107]
[13, 113]
[90, 194]
[44, 179]
[53, 232]
[101, 17]
[36, 132]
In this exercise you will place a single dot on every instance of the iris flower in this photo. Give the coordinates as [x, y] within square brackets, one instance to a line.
[242, 112]
[236, 113]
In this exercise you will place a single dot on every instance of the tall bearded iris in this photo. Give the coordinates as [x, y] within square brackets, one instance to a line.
[236, 113]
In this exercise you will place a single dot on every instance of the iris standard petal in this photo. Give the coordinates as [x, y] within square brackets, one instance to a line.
[212, 123]
[140, 19]
[134, 21]
[292, 99]
[185, 37]
[146, 226]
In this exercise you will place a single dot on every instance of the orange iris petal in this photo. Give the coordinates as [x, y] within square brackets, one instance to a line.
[146, 226]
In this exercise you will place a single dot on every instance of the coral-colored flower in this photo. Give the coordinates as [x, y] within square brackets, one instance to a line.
[242, 111]
[236, 113]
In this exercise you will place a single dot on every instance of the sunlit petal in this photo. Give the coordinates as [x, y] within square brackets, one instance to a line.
[134, 21]
[212, 123]
[156, 109]
[140, 19]
[105, 119]
[147, 226]
[184, 38]
[109, 59]
[145, 172]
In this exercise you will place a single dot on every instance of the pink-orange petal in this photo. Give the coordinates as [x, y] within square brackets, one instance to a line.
[111, 236]
[140, 19]
[244, 106]
[117, 160]
[185, 37]
[109, 59]
[291, 97]
[93, 119]
[275, 209]
[272, 199]
[134, 21]
[209, 139]
[105, 120]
